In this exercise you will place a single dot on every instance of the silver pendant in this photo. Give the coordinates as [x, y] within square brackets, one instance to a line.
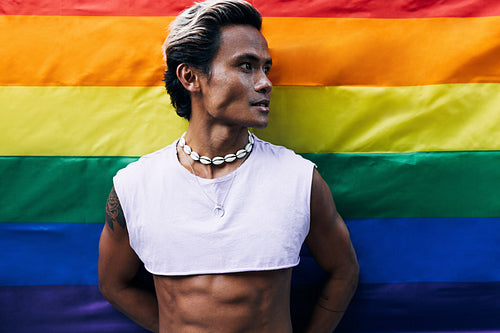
[219, 211]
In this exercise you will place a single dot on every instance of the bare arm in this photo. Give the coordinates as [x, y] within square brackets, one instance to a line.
[330, 244]
[118, 268]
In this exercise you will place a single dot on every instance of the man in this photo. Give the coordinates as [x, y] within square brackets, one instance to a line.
[219, 216]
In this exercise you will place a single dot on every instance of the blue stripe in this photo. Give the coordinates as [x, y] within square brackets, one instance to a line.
[427, 249]
[389, 251]
[49, 253]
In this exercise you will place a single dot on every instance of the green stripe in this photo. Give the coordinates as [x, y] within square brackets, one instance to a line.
[436, 184]
[56, 189]
[431, 184]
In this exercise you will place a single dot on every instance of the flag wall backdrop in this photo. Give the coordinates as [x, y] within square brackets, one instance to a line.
[397, 102]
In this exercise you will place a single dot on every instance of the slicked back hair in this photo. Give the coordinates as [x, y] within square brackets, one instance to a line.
[194, 38]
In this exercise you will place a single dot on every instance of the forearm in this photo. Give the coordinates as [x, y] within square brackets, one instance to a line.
[332, 303]
[139, 304]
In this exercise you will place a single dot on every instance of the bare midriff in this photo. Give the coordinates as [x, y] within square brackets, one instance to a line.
[236, 302]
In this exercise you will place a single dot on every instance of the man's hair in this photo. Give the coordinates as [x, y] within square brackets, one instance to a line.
[194, 39]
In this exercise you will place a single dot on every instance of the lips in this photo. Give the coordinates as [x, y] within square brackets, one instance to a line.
[263, 103]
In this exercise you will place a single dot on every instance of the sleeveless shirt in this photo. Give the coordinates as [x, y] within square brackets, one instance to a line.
[173, 228]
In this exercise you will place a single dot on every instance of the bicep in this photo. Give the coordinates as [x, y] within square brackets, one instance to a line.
[328, 238]
[118, 263]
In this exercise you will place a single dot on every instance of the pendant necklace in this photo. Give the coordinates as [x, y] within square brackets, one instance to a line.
[218, 210]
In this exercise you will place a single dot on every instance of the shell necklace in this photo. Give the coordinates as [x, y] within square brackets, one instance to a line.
[217, 160]
[218, 210]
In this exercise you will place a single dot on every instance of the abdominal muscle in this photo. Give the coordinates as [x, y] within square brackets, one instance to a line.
[236, 302]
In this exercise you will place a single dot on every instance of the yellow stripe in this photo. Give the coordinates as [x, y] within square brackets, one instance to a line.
[125, 51]
[132, 121]
[449, 117]
[86, 121]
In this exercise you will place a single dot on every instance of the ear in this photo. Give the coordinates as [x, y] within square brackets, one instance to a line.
[188, 77]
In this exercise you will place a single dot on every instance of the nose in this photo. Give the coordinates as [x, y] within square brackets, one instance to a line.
[263, 84]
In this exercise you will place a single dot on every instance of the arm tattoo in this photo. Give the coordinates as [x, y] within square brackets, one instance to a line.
[326, 298]
[114, 212]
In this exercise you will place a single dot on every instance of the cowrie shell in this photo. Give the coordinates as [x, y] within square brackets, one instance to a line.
[230, 158]
[241, 153]
[217, 160]
[205, 160]
[194, 155]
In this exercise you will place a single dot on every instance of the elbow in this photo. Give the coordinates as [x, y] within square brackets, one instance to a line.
[349, 274]
[107, 289]
[354, 276]
[352, 273]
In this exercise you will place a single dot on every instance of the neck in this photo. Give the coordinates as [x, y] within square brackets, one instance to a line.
[216, 140]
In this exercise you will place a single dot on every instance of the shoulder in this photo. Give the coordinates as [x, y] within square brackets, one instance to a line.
[142, 171]
[151, 158]
[280, 165]
[145, 165]
[281, 154]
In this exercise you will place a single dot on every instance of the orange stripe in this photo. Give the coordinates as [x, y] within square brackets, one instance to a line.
[125, 51]
[384, 52]
[81, 51]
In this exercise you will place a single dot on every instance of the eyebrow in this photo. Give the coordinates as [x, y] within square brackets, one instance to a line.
[253, 57]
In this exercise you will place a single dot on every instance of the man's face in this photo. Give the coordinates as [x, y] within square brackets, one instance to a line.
[238, 90]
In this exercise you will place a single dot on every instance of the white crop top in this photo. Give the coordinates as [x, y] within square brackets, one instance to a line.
[174, 230]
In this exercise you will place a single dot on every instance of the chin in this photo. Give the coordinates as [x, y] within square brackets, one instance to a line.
[259, 124]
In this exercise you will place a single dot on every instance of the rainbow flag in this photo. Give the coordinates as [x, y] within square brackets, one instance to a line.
[397, 102]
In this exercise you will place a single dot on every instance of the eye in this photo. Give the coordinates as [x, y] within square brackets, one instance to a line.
[267, 69]
[246, 66]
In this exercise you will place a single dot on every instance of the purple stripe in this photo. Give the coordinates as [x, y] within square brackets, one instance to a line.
[416, 307]
[60, 309]
[426, 306]
[405, 307]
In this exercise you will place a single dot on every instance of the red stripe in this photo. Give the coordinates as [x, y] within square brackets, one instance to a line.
[379, 8]
[279, 8]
